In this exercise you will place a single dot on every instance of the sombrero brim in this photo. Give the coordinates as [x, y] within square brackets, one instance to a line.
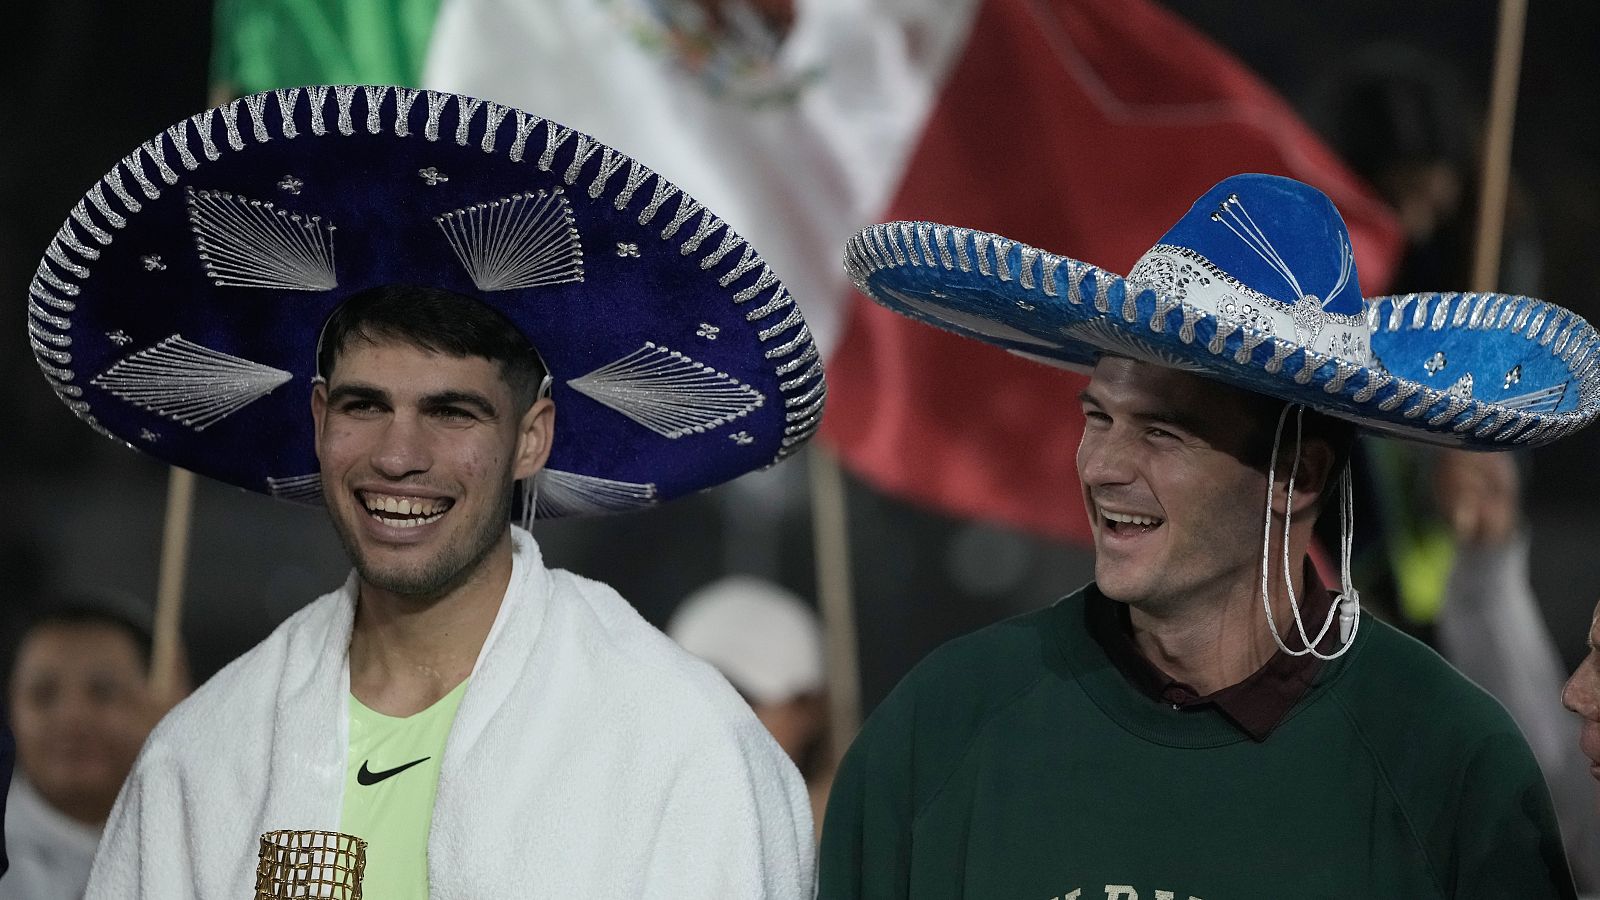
[1477, 371]
[179, 306]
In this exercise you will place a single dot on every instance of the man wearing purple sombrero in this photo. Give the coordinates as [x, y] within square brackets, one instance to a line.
[403, 304]
[1207, 719]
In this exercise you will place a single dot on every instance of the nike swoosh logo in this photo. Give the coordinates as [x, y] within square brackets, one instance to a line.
[368, 777]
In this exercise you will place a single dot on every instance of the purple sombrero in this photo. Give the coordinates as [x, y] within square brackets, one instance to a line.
[178, 308]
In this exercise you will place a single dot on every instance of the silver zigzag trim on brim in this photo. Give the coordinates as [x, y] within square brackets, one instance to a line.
[1426, 414]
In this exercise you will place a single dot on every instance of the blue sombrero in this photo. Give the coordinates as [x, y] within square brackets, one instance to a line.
[179, 306]
[1256, 286]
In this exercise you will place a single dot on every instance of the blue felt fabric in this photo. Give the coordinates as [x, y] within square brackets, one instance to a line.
[1305, 228]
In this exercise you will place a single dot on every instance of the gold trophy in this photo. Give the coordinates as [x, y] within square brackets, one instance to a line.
[300, 865]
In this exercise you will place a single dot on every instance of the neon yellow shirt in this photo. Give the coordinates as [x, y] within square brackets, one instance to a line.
[391, 778]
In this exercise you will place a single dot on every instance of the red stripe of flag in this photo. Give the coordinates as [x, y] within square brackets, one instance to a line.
[1086, 129]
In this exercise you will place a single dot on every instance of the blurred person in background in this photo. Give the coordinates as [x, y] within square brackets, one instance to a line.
[80, 710]
[768, 643]
[1493, 629]
[1581, 694]
[1404, 121]
[1450, 523]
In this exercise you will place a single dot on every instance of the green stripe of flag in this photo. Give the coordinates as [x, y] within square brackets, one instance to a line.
[264, 44]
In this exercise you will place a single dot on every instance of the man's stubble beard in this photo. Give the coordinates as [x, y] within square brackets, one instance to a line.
[453, 566]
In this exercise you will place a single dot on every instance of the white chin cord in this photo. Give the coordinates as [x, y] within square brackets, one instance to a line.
[529, 488]
[1347, 604]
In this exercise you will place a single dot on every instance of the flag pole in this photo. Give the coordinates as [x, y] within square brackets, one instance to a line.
[831, 538]
[167, 668]
[1497, 145]
[1466, 521]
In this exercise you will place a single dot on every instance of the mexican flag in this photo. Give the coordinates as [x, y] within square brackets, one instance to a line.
[1084, 127]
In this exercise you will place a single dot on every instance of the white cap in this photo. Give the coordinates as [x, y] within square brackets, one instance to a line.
[763, 639]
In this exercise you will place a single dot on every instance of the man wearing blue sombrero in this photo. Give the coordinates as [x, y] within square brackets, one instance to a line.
[1206, 719]
[401, 304]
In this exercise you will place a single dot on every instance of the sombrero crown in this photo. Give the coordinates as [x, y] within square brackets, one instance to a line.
[1257, 286]
[179, 306]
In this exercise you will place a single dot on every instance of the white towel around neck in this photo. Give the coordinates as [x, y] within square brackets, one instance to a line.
[590, 757]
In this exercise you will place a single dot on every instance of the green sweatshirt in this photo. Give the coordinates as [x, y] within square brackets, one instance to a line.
[1017, 763]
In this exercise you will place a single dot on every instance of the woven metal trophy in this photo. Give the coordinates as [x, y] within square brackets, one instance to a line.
[300, 865]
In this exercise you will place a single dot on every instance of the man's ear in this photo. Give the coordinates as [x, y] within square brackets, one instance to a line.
[1313, 480]
[319, 408]
[535, 433]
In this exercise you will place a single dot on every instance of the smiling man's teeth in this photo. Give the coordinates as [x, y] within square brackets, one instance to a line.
[429, 510]
[1126, 519]
[410, 523]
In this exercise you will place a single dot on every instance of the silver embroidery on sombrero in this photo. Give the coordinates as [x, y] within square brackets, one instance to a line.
[252, 243]
[968, 321]
[560, 493]
[1518, 419]
[1117, 342]
[1183, 274]
[1307, 310]
[525, 240]
[189, 383]
[1545, 400]
[305, 489]
[667, 392]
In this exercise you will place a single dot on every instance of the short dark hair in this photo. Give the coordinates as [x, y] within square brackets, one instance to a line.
[77, 611]
[1339, 434]
[436, 320]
